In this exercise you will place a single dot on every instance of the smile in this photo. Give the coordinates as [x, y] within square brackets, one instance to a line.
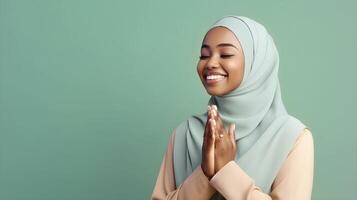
[212, 79]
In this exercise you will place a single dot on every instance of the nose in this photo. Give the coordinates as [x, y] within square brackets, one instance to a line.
[212, 63]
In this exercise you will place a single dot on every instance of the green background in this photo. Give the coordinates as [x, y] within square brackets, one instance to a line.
[90, 91]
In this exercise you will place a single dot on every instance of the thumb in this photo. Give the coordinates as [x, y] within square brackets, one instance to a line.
[212, 134]
[232, 129]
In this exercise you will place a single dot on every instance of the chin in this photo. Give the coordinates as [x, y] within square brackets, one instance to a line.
[215, 92]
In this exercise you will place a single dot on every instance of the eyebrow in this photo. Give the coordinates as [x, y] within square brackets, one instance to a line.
[219, 45]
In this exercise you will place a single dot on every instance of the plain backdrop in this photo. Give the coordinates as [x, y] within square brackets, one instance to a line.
[90, 91]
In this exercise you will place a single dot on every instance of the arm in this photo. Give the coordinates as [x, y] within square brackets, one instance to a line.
[294, 180]
[196, 186]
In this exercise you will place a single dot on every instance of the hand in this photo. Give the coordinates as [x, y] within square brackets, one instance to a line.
[225, 145]
[208, 146]
[219, 146]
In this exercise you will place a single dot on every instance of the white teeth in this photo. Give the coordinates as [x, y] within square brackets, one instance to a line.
[212, 77]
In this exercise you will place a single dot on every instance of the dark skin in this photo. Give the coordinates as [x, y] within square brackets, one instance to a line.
[221, 53]
[220, 69]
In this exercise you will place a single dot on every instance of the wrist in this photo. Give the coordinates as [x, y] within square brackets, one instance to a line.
[205, 173]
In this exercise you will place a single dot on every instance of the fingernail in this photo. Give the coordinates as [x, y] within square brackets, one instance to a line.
[215, 107]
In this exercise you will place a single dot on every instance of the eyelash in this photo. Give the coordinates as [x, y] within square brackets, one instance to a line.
[223, 56]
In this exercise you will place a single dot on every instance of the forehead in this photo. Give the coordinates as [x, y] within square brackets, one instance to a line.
[220, 34]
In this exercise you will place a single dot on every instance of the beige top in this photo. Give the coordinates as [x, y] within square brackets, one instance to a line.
[294, 180]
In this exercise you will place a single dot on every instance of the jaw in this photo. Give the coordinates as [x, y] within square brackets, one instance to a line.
[217, 90]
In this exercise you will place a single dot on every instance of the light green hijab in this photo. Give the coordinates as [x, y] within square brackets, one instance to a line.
[265, 132]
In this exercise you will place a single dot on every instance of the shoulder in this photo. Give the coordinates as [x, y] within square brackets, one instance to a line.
[298, 169]
[190, 121]
[304, 142]
[172, 137]
[182, 129]
[305, 136]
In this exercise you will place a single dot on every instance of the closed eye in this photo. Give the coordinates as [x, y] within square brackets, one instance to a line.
[226, 56]
[222, 56]
[203, 57]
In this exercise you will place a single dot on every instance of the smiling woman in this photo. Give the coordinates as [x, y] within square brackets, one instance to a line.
[221, 63]
[246, 146]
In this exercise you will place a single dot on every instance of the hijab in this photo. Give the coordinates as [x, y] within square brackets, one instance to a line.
[265, 132]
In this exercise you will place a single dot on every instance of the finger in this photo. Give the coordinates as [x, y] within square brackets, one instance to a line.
[214, 129]
[215, 113]
[232, 131]
[217, 125]
[211, 133]
[214, 107]
[233, 135]
[211, 123]
[218, 118]
[212, 126]
[207, 127]
[207, 137]
[210, 112]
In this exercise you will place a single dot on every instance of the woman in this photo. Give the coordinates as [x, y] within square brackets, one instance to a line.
[246, 146]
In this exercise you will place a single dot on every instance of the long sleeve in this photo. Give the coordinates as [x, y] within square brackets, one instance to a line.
[195, 187]
[294, 180]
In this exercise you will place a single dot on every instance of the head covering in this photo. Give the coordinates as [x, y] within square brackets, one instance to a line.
[265, 132]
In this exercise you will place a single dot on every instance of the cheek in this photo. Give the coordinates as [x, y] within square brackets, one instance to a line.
[200, 67]
[235, 74]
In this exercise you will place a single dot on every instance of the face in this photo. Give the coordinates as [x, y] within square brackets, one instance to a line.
[221, 64]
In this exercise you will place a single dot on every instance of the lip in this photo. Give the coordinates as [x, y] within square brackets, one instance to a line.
[213, 73]
[214, 81]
